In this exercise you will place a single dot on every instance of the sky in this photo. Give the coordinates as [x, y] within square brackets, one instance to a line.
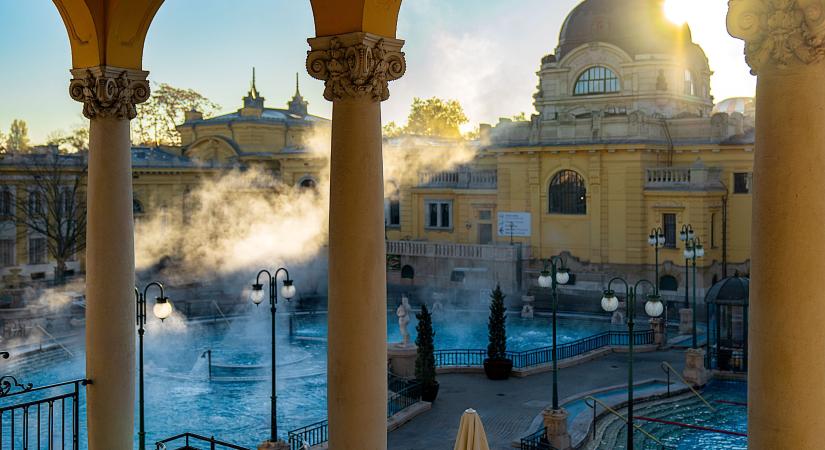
[484, 53]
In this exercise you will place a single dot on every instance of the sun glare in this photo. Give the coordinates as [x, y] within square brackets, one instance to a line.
[677, 10]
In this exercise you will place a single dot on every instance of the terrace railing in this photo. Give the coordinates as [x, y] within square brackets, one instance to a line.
[309, 436]
[42, 417]
[536, 441]
[544, 355]
[191, 441]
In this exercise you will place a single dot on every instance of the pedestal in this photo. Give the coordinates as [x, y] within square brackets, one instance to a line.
[695, 372]
[686, 321]
[269, 445]
[556, 423]
[659, 331]
[401, 359]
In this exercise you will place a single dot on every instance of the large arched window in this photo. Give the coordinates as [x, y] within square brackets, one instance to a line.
[690, 88]
[596, 80]
[568, 194]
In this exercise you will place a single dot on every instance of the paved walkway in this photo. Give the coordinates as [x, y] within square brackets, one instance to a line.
[507, 408]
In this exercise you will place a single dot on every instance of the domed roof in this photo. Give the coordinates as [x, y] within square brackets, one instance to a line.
[731, 290]
[635, 26]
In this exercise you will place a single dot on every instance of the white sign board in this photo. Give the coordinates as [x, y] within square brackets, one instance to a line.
[516, 224]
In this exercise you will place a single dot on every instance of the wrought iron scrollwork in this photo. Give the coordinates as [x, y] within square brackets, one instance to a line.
[9, 383]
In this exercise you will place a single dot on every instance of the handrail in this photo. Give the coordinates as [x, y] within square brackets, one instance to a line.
[695, 392]
[619, 415]
[55, 340]
[161, 445]
[221, 312]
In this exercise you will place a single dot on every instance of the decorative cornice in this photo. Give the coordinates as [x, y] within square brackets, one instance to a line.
[109, 92]
[779, 33]
[356, 65]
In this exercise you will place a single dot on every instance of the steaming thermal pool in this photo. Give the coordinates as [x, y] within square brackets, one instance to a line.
[180, 398]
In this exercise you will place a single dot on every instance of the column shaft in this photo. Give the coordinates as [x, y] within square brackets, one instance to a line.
[786, 311]
[357, 355]
[110, 302]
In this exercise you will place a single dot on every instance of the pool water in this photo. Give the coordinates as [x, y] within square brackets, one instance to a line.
[180, 398]
[729, 419]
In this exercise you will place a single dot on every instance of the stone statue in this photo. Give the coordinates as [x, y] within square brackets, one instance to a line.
[403, 313]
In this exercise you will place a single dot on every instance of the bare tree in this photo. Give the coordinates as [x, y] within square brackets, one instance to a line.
[52, 204]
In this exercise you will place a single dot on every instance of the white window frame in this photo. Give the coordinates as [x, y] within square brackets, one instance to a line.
[439, 220]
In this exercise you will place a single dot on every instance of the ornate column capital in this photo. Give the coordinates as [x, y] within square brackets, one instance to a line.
[779, 33]
[356, 65]
[109, 92]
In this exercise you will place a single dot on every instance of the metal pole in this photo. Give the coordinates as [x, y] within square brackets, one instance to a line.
[657, 264]
[631, 308]
[274, 399]
[555, 356]
[141, 321]
[694, 298]
[687, 280]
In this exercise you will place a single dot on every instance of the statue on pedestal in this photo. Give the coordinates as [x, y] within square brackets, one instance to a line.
[403, 313]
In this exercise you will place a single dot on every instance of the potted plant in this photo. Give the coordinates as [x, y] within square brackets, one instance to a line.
[425, 356]
[497, 366]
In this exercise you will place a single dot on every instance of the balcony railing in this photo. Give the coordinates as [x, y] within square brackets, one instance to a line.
[459, 179]
[462, 251]
[694, 178]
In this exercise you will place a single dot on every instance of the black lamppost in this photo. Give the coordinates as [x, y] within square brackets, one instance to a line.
[685, 235]
[257, 296]
[558, 274]
[653, 308]
[161, 310]
[693, 250]
[657, 240]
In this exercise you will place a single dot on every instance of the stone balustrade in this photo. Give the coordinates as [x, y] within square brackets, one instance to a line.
[461, 251]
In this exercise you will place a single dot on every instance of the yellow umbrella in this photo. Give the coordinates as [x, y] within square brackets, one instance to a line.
[471, 435]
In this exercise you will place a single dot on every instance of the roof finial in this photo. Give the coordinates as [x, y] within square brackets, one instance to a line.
[297, 86]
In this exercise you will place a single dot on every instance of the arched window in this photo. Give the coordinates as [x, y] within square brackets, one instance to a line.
[690, 88]
[308, 183]
[668, 283]
[568, 194]
[407, 272]
[596, 80]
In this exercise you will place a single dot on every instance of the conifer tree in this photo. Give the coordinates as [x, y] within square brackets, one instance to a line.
[425, 358]
[497, 348]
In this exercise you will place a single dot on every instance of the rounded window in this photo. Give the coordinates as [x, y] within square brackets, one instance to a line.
[597, 80]
[568, 194]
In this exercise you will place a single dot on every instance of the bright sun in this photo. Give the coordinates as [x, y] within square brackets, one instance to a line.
[677, 10]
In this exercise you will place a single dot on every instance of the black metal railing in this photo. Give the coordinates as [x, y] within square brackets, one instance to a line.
[308, 436]
[191, 441]
[39, 417]
[403, 398]
[536, 441]
[543, 355]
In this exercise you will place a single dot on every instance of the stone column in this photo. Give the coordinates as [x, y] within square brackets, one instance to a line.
[356, 68]
[555, 421]
[109, 95]
[785, 46]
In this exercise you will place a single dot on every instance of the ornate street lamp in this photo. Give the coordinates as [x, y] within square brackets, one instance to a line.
[653, 308]
[558, 274]
[693, 250]
[161, 310]
[257, 296]
[685, 235]
[656, 239]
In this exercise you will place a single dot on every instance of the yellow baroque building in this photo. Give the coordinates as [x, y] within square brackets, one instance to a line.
[625, 140]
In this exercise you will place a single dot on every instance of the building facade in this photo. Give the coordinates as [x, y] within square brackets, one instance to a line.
[625, 139]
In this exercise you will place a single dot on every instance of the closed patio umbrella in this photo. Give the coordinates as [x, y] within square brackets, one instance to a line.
[471, 435]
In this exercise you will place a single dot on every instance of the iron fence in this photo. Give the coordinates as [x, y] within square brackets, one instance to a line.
[544, 355]
[43, 417]
[191, 441]
[308, 436]
[536, 441]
